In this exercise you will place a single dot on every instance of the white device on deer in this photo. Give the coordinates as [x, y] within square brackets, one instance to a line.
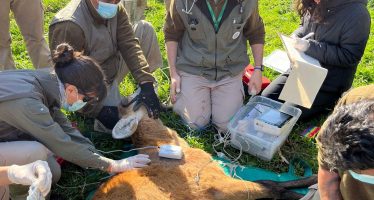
[170, 151]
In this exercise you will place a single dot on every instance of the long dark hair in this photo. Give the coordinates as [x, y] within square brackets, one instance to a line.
[318, 11]
[81, 71]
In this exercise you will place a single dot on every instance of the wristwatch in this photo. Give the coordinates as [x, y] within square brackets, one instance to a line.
[261, 68]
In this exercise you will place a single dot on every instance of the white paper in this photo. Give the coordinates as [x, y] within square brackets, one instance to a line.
[305, 79]
[278, 60]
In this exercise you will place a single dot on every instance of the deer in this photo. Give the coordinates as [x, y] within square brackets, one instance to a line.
[195, 176]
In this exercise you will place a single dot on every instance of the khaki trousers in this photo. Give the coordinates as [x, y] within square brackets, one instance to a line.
[21, 153]
[201, 99]
[29, 17]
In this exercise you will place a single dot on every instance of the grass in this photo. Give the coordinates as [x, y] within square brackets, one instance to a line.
[277, 16]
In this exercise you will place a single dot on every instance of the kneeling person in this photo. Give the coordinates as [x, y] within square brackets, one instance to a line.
[101, 30]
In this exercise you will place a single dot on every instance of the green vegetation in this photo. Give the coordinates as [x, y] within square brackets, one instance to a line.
[277, 16]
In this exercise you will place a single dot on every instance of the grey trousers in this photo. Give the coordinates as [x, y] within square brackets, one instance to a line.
[21, 153]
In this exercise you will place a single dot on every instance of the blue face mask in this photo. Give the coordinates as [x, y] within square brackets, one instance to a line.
[362, 177]
[107, 10]
[79, 104]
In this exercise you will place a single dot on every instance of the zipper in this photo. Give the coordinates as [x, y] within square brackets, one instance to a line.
[215, 56]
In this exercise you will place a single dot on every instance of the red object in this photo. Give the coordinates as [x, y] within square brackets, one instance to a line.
[60, 160]
[248, 71]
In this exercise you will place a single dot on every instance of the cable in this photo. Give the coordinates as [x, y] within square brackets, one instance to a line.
[140, 148]
[85, 184]
[197, 177]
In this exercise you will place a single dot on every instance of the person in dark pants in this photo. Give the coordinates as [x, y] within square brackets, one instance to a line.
[341, 29]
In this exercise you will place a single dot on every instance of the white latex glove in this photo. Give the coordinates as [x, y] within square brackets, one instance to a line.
[175, 87]
[36, 173]
[301, 44]
[138, 161]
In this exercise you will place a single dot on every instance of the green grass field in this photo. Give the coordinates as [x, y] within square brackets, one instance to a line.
[278, 16]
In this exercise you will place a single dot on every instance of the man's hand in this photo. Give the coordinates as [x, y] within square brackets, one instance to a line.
[133, 162]
[254, 85]
[37, 173]
[175, 87]
[149, 99]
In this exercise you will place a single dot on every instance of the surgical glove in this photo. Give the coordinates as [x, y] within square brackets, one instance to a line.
[138, 161]
[36, 173]
[301, 44]
[149, 99]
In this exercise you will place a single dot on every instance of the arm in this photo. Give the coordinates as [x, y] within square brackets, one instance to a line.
[351, 47]
[66, 32]
[254, 31]
[4, 176]
[34, 118]
[171, 50]
[173, 30]
[328, 185]
[130, 49]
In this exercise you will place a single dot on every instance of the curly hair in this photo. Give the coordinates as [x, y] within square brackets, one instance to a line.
[347, 140]
[317, 11]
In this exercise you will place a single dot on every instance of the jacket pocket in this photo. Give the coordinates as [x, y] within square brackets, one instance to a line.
[38, 109]
[196, 31]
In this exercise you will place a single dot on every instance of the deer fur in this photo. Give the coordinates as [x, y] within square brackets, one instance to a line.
[177, 179]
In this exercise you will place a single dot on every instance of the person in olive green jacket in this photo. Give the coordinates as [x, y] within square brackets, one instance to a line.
[345, 148]
[32, 126]
[101, 29]
[206, 44]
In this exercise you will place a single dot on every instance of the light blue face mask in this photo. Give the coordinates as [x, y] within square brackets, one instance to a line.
[107, 10]
[75, 106]
[79, 104]
[362, 177]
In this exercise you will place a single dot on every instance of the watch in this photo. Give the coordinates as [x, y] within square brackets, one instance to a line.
[260, 67]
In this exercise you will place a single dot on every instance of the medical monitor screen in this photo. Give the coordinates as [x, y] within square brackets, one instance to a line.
[275, 118]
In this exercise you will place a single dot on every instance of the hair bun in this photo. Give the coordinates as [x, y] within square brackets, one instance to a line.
[63, 54]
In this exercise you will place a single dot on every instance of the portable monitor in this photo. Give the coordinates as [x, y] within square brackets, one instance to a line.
[272, 122]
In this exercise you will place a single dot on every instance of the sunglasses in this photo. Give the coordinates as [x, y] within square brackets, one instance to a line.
[90, 99]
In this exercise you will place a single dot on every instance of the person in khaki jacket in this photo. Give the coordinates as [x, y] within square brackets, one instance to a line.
[345, 148]
[101, 29]
[33, 127]
[29, 17]
[206, 44]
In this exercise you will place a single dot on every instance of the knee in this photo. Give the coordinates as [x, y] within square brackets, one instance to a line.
[193, 119]
[143, 29]
[36, 151]
[144, 24]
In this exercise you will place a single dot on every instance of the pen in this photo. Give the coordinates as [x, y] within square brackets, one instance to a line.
[308, 36]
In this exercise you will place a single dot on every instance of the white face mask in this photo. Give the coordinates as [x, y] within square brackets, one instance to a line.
[362, 177]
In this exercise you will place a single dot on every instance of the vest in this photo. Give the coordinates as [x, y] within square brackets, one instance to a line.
[204, 52]
[101, 39]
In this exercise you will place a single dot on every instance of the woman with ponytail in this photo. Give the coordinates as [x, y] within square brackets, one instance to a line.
[32, 126]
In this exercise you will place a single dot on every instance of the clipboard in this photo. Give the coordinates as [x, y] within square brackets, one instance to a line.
[306, 76]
